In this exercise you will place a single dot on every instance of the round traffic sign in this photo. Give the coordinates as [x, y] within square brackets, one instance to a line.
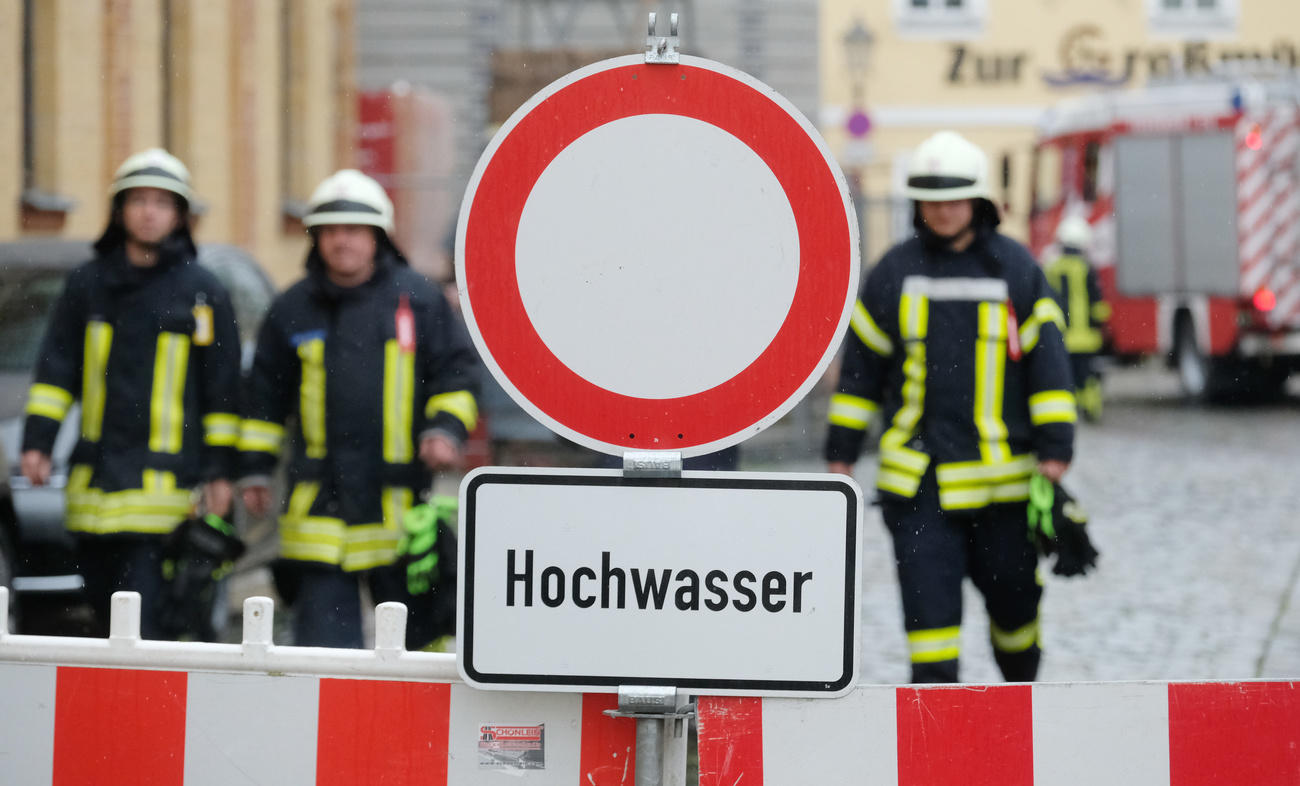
[657, 257]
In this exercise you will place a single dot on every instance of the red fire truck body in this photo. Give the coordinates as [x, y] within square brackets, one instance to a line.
[1193, 194]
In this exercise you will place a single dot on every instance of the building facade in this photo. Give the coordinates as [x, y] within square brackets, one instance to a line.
[990, 69]
[473, 62]
[255, 96]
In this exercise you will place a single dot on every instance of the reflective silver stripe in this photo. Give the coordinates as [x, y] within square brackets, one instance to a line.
[976, 289]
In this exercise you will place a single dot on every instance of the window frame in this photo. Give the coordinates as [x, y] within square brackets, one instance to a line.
[937, 21]
[1190, 19]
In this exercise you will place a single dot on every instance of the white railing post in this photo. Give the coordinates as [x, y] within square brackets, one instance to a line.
[124, 618]
[259, 623]
[390, 629]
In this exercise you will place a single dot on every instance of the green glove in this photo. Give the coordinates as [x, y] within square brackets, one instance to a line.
[418, 546]
[1042, 498]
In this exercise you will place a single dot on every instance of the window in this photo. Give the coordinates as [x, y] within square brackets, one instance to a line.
[947, 19]
[1181, 17]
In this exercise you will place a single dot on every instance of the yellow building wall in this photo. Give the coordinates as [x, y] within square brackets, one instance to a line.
[991, 84]
[255, 96]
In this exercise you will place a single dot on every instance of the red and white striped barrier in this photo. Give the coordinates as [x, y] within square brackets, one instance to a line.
[1067, 734]
[123, 710]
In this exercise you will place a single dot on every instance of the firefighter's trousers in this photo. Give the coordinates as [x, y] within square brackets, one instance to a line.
[934, 550]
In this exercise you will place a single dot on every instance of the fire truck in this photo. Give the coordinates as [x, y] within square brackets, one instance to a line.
[1193, 194]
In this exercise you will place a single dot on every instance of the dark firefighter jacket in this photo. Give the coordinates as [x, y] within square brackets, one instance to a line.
[961, 354]
[366, 372]
[1079, 294]
[153, 356]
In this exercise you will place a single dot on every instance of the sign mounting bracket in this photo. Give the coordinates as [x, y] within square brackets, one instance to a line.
[662, 50]
[652, 464]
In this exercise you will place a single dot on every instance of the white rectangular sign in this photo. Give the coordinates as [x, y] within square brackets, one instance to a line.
[717, 582]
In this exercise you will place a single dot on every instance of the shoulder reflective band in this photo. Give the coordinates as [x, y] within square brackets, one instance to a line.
[869, 332]
[1045, 310]
[48, 401]
[98, 341]
[311, 393]
[399, 394]
[167, 400]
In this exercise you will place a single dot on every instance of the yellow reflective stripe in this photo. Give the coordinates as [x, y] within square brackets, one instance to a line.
[869, 332]
[459, 403]
[1101, 311]
[82, 501]
[94, 364]
[1052, 406]
[311, 392]
[368, 546]
[48, 401]
[904, 458]
[970, 497]
[221, 429]
[897, 482]
[965, 473]
[1017, 640]
[913, 320]
[990, 369]
[852, 412]
[934, 645]
[260, 435]
[399, 390]
[157, 507]
[307, 537]
[396, 500]
[167, 400]
[1045, 310]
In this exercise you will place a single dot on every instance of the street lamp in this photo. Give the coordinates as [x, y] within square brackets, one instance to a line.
[858, 43]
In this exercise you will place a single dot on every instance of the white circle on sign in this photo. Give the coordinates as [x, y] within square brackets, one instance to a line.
[732, 232]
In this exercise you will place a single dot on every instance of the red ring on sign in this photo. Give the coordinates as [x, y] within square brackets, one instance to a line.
[825, 256]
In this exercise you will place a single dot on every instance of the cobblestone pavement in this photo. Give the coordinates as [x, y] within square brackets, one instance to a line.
[1196, 511]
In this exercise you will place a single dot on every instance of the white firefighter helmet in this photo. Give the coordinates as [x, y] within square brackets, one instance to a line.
[946, 167]
[349, 197]
[1074, 232]
[153, 168]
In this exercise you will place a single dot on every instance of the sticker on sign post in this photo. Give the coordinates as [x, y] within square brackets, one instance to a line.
[657, 257]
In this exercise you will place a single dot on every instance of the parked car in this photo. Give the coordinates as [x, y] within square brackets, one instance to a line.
[36, 552]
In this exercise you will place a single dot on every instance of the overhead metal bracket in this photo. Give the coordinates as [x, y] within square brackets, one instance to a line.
[662, 49]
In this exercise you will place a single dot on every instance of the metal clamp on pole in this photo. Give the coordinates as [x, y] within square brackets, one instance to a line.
[661, 49]
[653, 708]
[652, 464]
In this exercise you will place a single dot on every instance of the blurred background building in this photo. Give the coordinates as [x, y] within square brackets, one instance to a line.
[256, 97]
[894, 71]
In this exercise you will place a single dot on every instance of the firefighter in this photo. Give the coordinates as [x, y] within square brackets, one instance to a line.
[1086, 313]
[955, 344]
[145, 339]
[367, 361]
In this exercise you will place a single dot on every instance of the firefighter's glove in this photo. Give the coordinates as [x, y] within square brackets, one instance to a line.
[1058, 525]
[418, 548]
[196, 555]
